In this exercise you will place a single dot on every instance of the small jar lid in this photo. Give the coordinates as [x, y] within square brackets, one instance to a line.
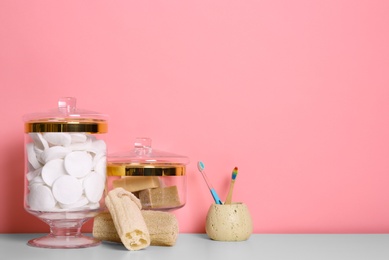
[66, 118]
[143, 160]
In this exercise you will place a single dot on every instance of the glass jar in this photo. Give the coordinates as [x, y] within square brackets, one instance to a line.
[65, 172]
[157, 178]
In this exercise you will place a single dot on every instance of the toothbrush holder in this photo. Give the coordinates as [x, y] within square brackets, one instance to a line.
[229, 222]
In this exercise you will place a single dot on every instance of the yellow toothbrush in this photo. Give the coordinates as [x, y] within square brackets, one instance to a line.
[233, 177]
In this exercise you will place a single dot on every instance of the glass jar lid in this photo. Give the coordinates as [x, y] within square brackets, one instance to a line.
[143, 160]
[66, 118]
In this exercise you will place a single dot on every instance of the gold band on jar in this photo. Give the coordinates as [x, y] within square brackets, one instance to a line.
[118, 169]
[91, 126]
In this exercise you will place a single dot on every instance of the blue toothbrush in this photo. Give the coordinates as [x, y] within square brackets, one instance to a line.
[201, 166]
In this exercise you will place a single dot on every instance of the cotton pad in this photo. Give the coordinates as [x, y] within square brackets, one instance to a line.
[40, 198]
[39, 141]
[55, 152]
[78, 138]
[98, 146]
[78, 204]
[62, 139]
[33, 174]
[36, 180]
[78, 163]
[101, 166]
[80, 143]
[67, 189]
[94, 187]
[31, 156]
[52, 170]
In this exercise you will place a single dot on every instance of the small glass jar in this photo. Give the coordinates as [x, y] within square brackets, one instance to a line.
[65, 172]
[157, 178]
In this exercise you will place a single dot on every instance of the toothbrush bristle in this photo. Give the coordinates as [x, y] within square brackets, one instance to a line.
[234, 173]
[200, 165]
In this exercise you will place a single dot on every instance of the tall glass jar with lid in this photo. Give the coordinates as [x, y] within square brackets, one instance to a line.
[65, 172]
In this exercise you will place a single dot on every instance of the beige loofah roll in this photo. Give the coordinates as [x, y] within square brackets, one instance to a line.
[162, 226]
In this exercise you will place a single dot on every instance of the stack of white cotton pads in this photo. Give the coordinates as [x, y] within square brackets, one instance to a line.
[66, 171]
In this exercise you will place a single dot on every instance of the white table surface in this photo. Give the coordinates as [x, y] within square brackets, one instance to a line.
[199, 246]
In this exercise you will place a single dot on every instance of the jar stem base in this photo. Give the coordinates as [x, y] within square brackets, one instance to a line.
[65, 234]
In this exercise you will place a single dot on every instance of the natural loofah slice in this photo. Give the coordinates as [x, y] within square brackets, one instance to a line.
[126, 214]
[162, 226]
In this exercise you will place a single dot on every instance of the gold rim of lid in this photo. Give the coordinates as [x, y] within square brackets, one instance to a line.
[145, 170]
[71, 125]
[66, 118]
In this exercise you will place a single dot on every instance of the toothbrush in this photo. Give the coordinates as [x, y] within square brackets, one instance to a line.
[201, 166]
[233, 177]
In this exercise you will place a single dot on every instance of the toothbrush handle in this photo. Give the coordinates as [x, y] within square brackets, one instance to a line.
[216, 197]
[229, 195]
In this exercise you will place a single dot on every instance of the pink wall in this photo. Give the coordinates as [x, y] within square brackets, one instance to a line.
[294, 93]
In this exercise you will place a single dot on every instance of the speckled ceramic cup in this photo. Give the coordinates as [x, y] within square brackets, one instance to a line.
[229, 222]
